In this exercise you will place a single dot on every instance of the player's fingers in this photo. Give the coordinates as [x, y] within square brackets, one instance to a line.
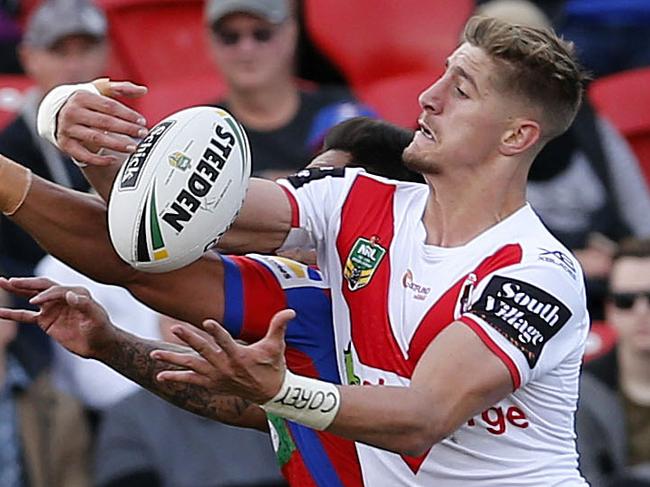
[91, 137]
[18, 315]
[198, 343]
[184, 377]
[56, 293]
[84, 100]
[79, 152]
[32, 283]
[185, 360]
[7, 286]
[221, 336]
[123, 88]
[278, 326]
[108, 123]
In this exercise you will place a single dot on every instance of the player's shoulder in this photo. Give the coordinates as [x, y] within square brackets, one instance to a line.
[290, 273]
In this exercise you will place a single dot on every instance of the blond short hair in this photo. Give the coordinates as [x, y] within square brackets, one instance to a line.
[535, 65]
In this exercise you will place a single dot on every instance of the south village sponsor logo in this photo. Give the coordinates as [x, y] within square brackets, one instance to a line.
[419, 291]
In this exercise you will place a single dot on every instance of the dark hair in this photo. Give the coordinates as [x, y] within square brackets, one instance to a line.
[535, 65]
[374, 145]
[633, 247]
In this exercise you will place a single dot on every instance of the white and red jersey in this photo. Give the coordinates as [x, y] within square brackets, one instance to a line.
[515, 285]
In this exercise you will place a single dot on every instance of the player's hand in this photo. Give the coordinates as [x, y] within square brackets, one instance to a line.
[67, 314]
[88, 122]
[254, 372]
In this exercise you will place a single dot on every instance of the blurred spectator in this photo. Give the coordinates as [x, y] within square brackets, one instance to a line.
[586, 185]
[613, 418]
[254, 44]
[64, 42]
[147, 442]
[611, 35]
[9, 36]
[44, 441]
[80, 377]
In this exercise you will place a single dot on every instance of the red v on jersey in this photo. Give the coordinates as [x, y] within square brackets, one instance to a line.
[368, 214]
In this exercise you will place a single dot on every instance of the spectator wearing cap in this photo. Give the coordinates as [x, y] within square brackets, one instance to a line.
[64, 42]
[613, 418]
[254, 45]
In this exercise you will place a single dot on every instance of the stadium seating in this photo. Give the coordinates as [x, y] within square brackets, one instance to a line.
[624, 98]
[601, 339]
[12, 89]
[163, 44]
[387, 48]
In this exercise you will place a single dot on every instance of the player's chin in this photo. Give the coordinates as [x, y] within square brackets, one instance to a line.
[415, 160]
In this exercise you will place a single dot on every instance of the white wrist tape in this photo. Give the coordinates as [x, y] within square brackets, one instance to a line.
[310, 402]
[52, 103]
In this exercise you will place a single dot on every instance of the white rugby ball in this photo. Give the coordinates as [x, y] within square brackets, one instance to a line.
[180, 190]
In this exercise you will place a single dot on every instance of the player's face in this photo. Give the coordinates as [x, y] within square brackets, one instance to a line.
[251, 52]
[73, 59]
[463, 117]
[628, 307]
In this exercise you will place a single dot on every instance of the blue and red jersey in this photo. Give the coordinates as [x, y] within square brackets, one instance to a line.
[257, 287]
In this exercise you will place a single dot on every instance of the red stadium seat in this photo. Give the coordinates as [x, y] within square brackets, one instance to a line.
[12, 89]
[376, 39]
[165, 98]
[624, 98]
[601, 339]
[163, 44]
[396, 98]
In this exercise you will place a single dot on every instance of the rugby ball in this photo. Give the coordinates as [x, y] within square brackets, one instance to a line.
[180, 190]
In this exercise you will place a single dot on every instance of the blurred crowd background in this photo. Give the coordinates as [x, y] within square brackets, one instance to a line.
[289, 70]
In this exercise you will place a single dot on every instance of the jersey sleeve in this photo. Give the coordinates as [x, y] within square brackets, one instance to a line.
[315, 195]
[258, 286]
[531, 316]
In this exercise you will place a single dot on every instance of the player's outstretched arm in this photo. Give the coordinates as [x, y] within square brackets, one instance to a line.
[81, 119]
[456, 378]
[71, 317]
[72, 226]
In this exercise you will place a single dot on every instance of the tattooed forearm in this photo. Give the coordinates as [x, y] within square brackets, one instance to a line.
[130, 356]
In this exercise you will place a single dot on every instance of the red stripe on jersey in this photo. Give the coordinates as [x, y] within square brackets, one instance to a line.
[343, 455]
[368, 212]
[491, 344]
[441, 314]
[300, 363]
[296, 472]
[263, 297]
[295, 211]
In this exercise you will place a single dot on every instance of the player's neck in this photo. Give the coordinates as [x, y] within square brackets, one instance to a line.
[459, 209]
[634, 373]
[265, 108]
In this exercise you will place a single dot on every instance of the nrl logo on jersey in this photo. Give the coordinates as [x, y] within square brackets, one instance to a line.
[362, 262]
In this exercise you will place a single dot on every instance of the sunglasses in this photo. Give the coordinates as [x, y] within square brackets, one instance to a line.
[628, 300]
[261, 35]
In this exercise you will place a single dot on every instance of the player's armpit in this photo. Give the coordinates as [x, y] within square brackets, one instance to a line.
[263, 222]
[457, 377]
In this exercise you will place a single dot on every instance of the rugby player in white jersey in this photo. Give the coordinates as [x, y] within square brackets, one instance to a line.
[461, 317]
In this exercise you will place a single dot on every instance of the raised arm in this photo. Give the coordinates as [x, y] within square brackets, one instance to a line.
[82, 119]
[73, 319]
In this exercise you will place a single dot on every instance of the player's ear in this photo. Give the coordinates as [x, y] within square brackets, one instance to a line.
[519, 137]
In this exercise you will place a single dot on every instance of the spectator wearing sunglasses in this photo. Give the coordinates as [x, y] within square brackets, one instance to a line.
[254, 44]
[613, 419]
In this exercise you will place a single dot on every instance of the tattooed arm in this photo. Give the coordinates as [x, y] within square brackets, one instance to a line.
[71, 317]
[130, 356]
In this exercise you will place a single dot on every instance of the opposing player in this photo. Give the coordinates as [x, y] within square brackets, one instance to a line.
[453, 300]
[241, 292]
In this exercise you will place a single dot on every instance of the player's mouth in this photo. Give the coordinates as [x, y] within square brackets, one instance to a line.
[426, 131]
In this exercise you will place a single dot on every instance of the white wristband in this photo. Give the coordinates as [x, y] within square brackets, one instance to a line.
[52, 103]
[307, 401]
